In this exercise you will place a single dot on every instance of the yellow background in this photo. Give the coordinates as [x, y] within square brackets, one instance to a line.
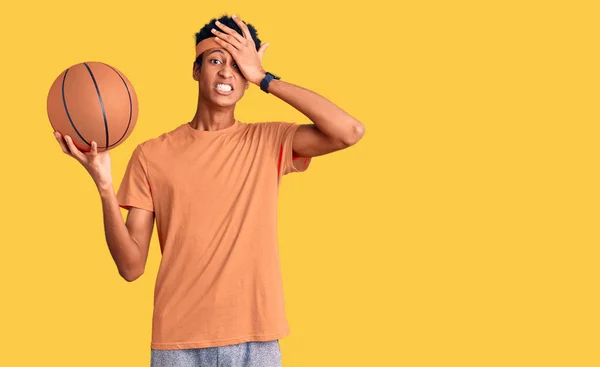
[461, 231]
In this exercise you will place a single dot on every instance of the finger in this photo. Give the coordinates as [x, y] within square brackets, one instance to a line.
[261, 50]
[61, 142]
[234, 42]
[94, 148]
[230, 32]
[226, 45]
[243, 27]
[73, 149]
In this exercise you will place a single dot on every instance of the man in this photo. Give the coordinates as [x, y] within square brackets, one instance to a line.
[212, 186]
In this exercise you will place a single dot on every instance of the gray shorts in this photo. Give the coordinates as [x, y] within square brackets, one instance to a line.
[249, 354]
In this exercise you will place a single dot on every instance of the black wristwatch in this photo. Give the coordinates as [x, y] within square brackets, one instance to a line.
[264, 84]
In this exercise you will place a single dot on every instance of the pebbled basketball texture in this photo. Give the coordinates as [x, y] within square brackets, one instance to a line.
[93, 101]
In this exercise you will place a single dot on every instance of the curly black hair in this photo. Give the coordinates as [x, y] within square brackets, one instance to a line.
[205, 32]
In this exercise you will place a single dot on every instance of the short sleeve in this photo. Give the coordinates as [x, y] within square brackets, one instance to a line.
[287, 162]
[135, 190]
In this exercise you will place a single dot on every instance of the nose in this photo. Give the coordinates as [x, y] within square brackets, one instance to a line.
[226, 71]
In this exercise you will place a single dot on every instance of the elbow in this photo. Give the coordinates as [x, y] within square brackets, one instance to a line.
[356, 133]
[130, 275]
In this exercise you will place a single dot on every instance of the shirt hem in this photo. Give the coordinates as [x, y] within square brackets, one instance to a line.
[218, 343]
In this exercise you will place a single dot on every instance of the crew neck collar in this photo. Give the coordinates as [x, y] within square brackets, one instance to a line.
[209, 133]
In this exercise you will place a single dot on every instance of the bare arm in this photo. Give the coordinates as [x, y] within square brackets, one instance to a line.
[128, 242]
[333, 129]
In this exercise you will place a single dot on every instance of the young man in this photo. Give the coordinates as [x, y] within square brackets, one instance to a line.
[212, 186]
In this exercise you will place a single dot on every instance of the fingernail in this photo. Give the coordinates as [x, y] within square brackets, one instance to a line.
[233, 16]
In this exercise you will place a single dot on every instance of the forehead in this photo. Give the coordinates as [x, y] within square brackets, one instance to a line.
[218, 51]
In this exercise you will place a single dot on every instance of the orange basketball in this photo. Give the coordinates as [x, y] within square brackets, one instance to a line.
[93, 101]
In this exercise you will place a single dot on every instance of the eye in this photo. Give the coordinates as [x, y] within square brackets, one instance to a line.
[214, 60]
[235, 66]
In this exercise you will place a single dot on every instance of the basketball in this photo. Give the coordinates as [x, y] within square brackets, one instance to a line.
[93, 101]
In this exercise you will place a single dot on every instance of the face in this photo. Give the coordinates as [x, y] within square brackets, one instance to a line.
[221, 81]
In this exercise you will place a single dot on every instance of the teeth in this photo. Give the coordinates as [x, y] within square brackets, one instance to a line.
[224, 87]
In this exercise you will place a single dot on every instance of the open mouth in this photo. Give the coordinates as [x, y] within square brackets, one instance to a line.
[224, 89]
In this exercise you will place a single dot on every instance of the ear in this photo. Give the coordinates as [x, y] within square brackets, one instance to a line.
[195, 72]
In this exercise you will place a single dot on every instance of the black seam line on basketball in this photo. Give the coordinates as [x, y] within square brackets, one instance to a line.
[130, 107]
[101, 103]
[67, 110]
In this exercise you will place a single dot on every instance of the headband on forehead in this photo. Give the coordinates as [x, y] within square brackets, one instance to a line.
[206, 44]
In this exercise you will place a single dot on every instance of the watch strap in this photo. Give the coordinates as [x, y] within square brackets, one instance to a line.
[264, 84]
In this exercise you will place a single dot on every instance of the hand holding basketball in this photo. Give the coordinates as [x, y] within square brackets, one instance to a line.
[98, 164]
[92, 108]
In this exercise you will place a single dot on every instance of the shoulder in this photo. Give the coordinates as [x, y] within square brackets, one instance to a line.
[273, 124]
[160, 142]
[274, 127]
[274, 132]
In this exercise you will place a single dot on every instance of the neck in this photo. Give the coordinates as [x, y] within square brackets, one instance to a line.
[211, 117]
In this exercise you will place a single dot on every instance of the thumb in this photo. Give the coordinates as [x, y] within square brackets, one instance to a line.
[262, 49]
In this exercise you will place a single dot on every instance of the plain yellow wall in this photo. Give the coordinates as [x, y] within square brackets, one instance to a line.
[461, 231]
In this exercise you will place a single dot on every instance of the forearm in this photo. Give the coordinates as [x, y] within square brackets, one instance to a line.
[123, 249]
[331, 120]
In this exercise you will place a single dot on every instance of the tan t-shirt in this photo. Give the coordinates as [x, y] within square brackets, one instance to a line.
[214, 194]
